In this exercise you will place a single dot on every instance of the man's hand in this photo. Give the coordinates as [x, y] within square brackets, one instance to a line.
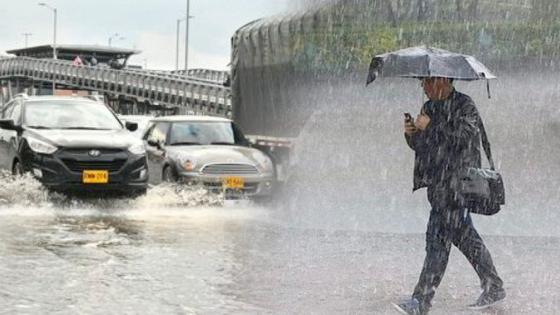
[409, 127]
[422, 121]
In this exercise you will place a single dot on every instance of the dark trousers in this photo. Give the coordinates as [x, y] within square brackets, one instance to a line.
[448, 226]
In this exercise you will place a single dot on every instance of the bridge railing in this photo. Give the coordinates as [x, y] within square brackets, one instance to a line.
[181, 75]
[205, 97]
[205, 74]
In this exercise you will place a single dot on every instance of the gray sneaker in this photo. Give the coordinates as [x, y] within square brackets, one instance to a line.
[410, 307]
[488, 299]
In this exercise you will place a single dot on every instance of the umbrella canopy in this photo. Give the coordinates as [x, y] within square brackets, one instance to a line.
[423, 62]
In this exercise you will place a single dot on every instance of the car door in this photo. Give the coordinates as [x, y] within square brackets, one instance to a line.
[12, 136]
[5, 162]
[156, 153]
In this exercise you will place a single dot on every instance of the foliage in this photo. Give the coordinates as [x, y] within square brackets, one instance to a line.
[346, 34]
[337, 48]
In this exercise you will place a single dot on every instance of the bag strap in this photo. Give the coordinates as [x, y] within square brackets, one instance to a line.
[486, 145]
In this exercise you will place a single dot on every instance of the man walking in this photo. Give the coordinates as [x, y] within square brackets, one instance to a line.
[446, 140]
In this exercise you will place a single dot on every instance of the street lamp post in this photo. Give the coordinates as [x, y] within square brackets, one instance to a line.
[55, 54]
[177, 44]
[188, 17]
[43, 4]
[26, 35]
[116, 35]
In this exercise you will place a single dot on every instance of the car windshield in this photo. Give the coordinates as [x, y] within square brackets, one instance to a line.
[69, 115]
[193, 133]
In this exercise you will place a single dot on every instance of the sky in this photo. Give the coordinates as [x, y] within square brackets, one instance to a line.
[146, 25]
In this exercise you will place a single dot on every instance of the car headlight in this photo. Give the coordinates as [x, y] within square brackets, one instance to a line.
[40, 146]
[187, 163]
[137, 149]
[265, 162]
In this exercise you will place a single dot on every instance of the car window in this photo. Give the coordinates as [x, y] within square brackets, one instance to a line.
[15, 115]
[203, 132]
[7, 110]
[239, 136]
[158, 133]
[148, 130]
[70, 114]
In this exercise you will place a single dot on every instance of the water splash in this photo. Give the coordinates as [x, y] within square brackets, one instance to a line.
[28, 193]
[176, 195]
[22, 191]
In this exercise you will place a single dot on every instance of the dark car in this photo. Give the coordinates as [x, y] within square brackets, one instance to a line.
[72, 144]
[208, 151]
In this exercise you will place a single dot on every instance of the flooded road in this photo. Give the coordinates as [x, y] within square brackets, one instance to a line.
[158, 255]
[101, 262]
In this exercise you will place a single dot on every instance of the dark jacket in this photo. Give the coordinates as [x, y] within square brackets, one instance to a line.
[450, 143]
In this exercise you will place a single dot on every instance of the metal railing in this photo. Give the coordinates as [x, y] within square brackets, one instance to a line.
[216, 76]
[168, 90]
[179, 75]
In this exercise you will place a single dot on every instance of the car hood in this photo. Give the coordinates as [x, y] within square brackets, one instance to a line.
[117, 139]
[217, 154]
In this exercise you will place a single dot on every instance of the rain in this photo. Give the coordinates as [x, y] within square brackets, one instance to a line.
[344, 232]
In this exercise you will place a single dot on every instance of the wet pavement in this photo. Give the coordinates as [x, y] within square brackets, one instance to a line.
[145, 257]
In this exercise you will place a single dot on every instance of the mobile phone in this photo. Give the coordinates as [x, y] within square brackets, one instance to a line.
[407, 117]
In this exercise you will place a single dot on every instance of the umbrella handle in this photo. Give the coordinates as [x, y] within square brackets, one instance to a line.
[488, 88]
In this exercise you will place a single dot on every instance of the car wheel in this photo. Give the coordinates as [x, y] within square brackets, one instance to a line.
[168, 175]
[138, 193]
[17, 169]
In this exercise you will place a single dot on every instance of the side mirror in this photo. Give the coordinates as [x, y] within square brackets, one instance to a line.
[131, 126]
[8, 124]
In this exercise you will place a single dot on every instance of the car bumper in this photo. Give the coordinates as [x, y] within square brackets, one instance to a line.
[254, 186]
[64, 172]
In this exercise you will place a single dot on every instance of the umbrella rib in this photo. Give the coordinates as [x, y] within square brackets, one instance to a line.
[465, 59]
[428, 64]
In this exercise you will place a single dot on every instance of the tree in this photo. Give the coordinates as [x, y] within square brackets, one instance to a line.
[460, 14]
[422, 9]
[545, 10]
[392, 13]
[472, 10]
[399, 10]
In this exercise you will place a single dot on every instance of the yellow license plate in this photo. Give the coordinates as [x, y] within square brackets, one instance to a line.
[95, 177]
[234, 182]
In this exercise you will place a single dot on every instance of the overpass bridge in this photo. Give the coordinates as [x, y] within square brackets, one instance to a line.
[199, 91]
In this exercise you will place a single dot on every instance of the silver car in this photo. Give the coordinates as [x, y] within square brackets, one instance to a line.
[209, 151]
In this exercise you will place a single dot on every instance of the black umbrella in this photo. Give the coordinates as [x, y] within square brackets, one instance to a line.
[422, 62]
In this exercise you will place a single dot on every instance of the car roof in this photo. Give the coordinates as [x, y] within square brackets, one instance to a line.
[57, 98]
[184, 118]
[136, 117]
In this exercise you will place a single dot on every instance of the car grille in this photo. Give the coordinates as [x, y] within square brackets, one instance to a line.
[86, 151]
[230, 169]
[80, 166]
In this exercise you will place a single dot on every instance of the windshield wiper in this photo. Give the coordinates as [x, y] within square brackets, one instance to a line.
[185, 143]
[222, 143]
[38, 127]
[83, 128]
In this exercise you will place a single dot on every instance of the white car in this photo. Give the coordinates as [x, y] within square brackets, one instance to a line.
[209, 151]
